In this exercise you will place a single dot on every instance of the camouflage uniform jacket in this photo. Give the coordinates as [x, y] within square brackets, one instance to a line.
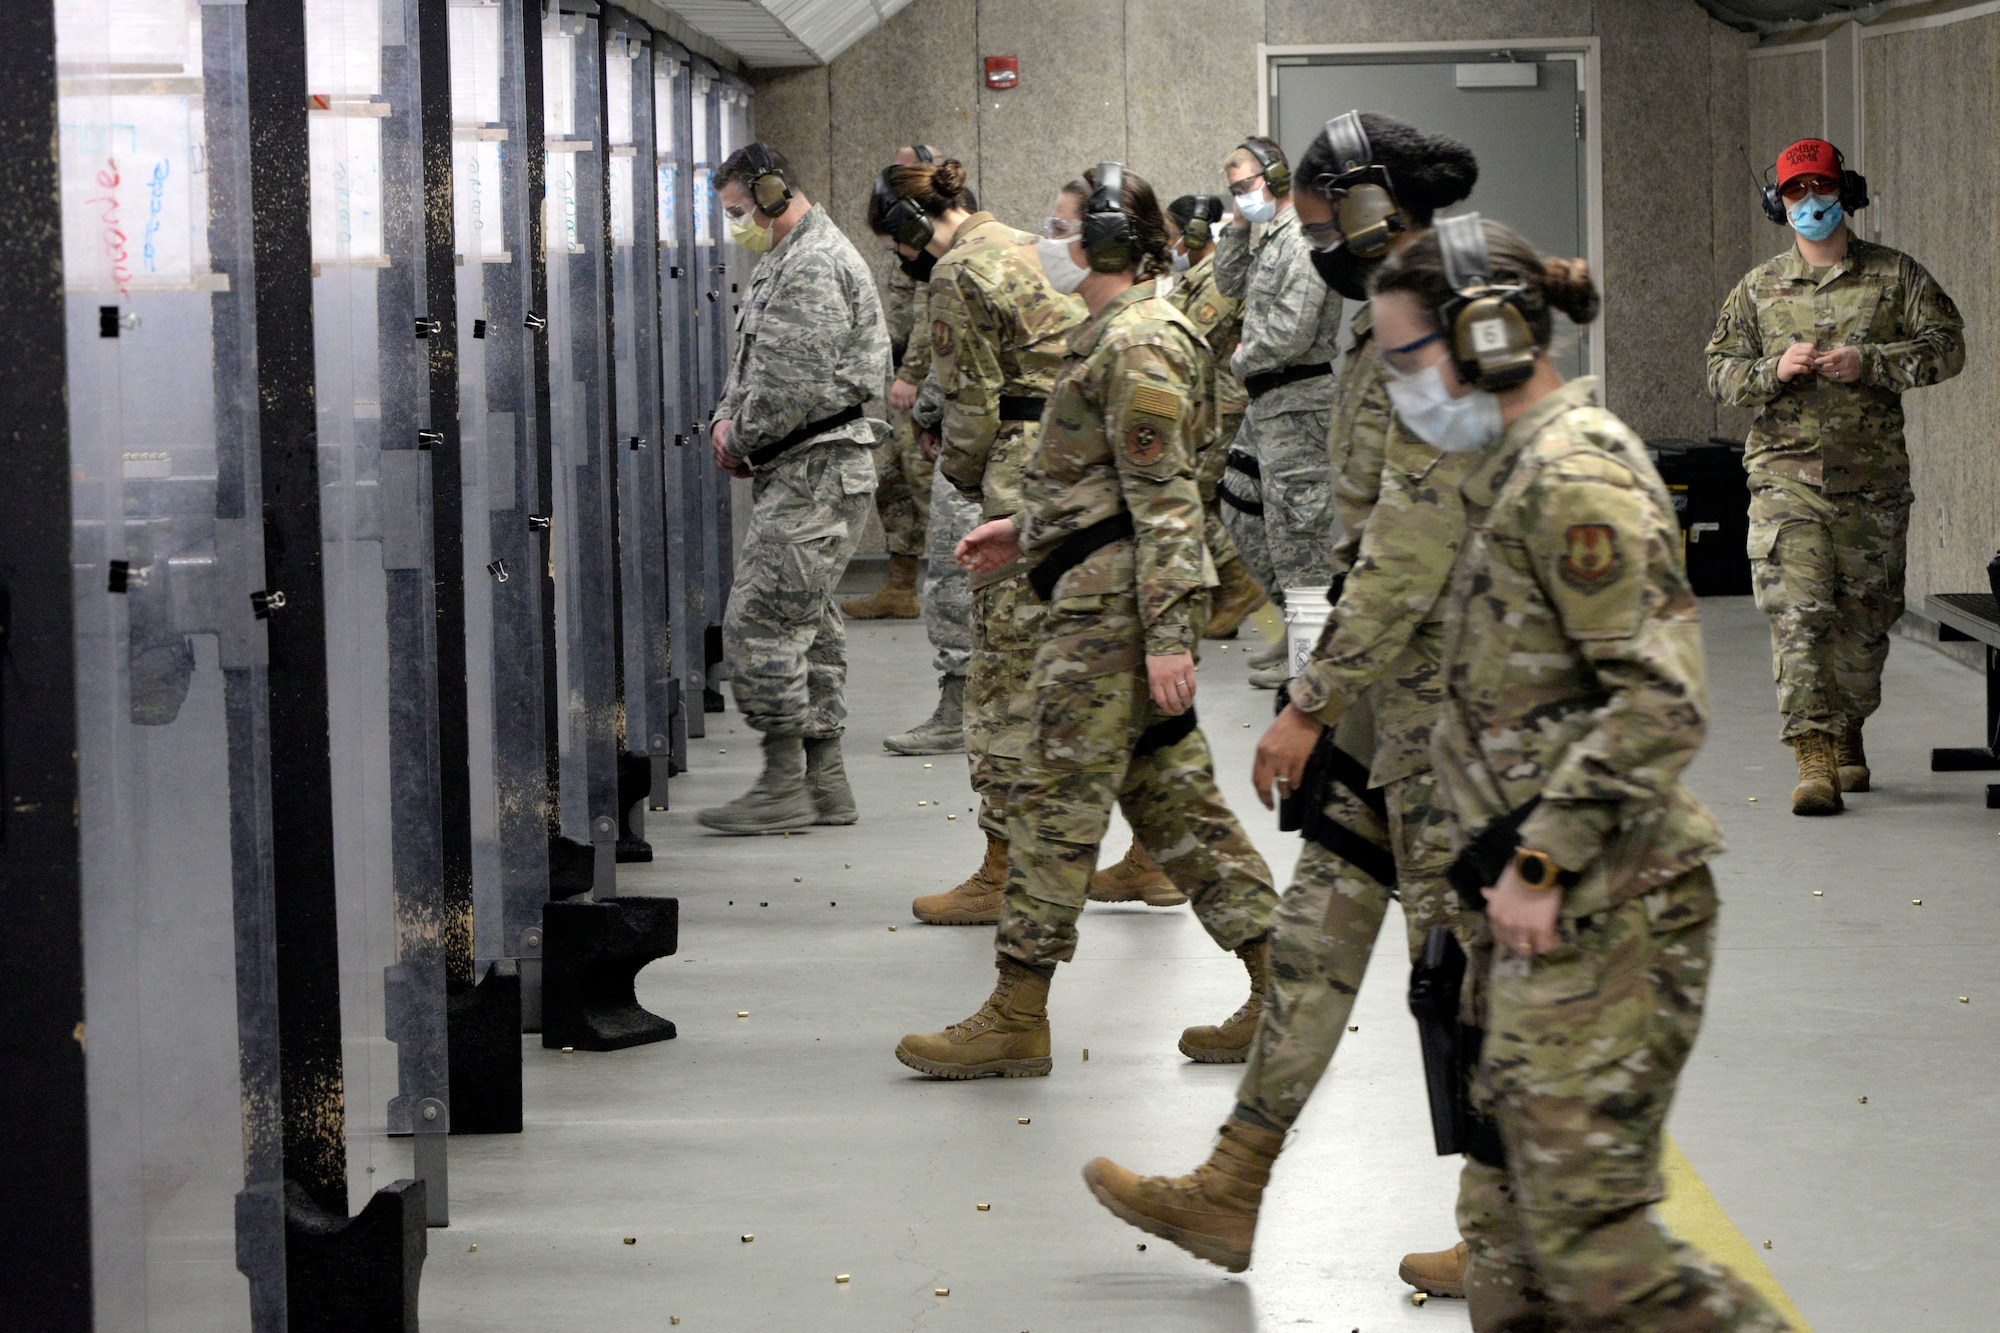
[1122, 431]
[915, 365]
[1573, 661]
[1219, 321]
[1290, 318]
[1387, 630]
[810, 341]
[1358, 436]
[997, 329]
[899, 291]
[1839, 437]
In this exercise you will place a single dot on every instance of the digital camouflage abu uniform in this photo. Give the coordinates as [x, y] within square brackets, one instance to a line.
[1574, 677]
[1382, 649]
[1829, 476]
[810, 343]
[997, 337]
[1122, 432]
[1219, 321]
[902, 473]
[1279, 490]
[947, 590]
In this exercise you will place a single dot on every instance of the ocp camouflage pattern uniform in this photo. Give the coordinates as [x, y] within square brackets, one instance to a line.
[1357, 439]
[1574, 679]
[1829, 475]
[997, 331]
[902, 473]
[1219, 321]
[1382, 650]
[810, 342]
[1123, 428]
[1279, 486]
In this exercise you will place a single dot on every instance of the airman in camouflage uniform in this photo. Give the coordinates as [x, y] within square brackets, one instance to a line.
[1830, 480]
[810, 347]
[902, 473]
[1120, 438]
[1279, 487]
[1574, 687]
[998, 332]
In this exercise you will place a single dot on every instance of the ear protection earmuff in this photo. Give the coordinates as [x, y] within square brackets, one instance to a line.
[1107, 229]
[903, 220]
[1199, 230]
[768, 187]
[1363, 196]
[1853, 189]
[922, 153]
[1276, 174]
[1492, 347]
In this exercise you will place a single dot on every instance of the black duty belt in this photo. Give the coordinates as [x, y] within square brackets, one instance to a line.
[1238, 461]
[1262, 383]
[1254, 508]
[1162, 734]
[1014, 407]
[770, 452]
[1074, 549]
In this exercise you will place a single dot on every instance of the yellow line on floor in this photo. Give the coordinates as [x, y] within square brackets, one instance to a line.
[1692, 1213]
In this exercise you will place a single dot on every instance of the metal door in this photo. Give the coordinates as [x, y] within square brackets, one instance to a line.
[1522, 113]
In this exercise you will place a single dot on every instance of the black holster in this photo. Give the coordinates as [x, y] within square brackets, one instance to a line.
[1451, 1052]
[1482, 861]
[1304, 811]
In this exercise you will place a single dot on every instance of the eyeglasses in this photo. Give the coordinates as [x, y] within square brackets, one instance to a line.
[736, 214]
[1798, 187]
[1249, 185]
[1323, 235]
[1061, 229]
[1401, 360]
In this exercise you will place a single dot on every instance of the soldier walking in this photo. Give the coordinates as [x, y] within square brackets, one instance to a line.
[811, 349]
[1823, 341]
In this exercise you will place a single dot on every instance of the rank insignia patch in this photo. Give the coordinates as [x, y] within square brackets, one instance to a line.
[1590, 558]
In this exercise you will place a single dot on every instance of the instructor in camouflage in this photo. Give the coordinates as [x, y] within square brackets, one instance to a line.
[1279, 488]
[1823, 341]
[1110, 520]
[1574, 698]
[1373, 682]
[810, 351]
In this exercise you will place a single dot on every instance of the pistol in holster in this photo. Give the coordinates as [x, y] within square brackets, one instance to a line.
[1303, 811]
[1451, 1052]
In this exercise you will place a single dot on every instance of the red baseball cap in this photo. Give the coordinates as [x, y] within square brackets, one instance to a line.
[1809, 157]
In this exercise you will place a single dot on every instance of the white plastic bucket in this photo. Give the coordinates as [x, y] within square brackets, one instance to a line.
[1306, 613]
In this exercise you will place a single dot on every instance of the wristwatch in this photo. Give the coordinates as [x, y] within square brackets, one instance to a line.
[1537, 870]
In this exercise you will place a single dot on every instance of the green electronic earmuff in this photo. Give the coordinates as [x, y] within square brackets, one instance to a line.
[1276, 174]
[768, 188]
[1199, 230]
[1492, 347]
[1107, 229]
[1360, 190]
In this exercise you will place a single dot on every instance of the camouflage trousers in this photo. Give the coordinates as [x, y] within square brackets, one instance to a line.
[1828, 571]
[1210, 466]
[1583, 1048]
[1324, 933]
[1006, 630]
[1290, 543]
[1215, 531]
[783, 638]
[903, 489]
[1088, 710]
[947, 589]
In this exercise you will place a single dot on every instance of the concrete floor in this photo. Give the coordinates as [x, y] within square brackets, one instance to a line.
[796, 1124]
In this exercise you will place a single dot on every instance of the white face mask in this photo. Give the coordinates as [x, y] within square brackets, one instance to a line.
[1180, 261]
[1260, 207]
[1453, 425]
[1064, 274]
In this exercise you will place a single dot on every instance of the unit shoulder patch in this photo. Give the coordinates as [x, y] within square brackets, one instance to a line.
[940, 337]
[1145, 442]
[1591, 558]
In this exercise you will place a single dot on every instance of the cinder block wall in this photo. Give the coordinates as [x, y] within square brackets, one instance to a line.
[1169, 86]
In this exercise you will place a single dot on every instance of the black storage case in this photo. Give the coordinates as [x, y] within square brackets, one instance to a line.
[1712, 497]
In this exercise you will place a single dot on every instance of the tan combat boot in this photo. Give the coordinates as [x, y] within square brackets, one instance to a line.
[1007, 1038]
[975, 902]
[1229, 1043]
[1211, 1213]
[1437, 1272]
[1239, 598]
[1850, 760]
[1818, 792]
[1137, 878]
[896, 599]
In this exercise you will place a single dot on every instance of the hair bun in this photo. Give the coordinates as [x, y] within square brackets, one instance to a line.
[1568, 287]
[948, 178]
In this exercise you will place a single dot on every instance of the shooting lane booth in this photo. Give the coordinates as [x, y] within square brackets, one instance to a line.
[359, 598]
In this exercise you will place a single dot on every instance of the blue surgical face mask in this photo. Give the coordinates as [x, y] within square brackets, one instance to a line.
[1260, 207]
[1816, 217]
